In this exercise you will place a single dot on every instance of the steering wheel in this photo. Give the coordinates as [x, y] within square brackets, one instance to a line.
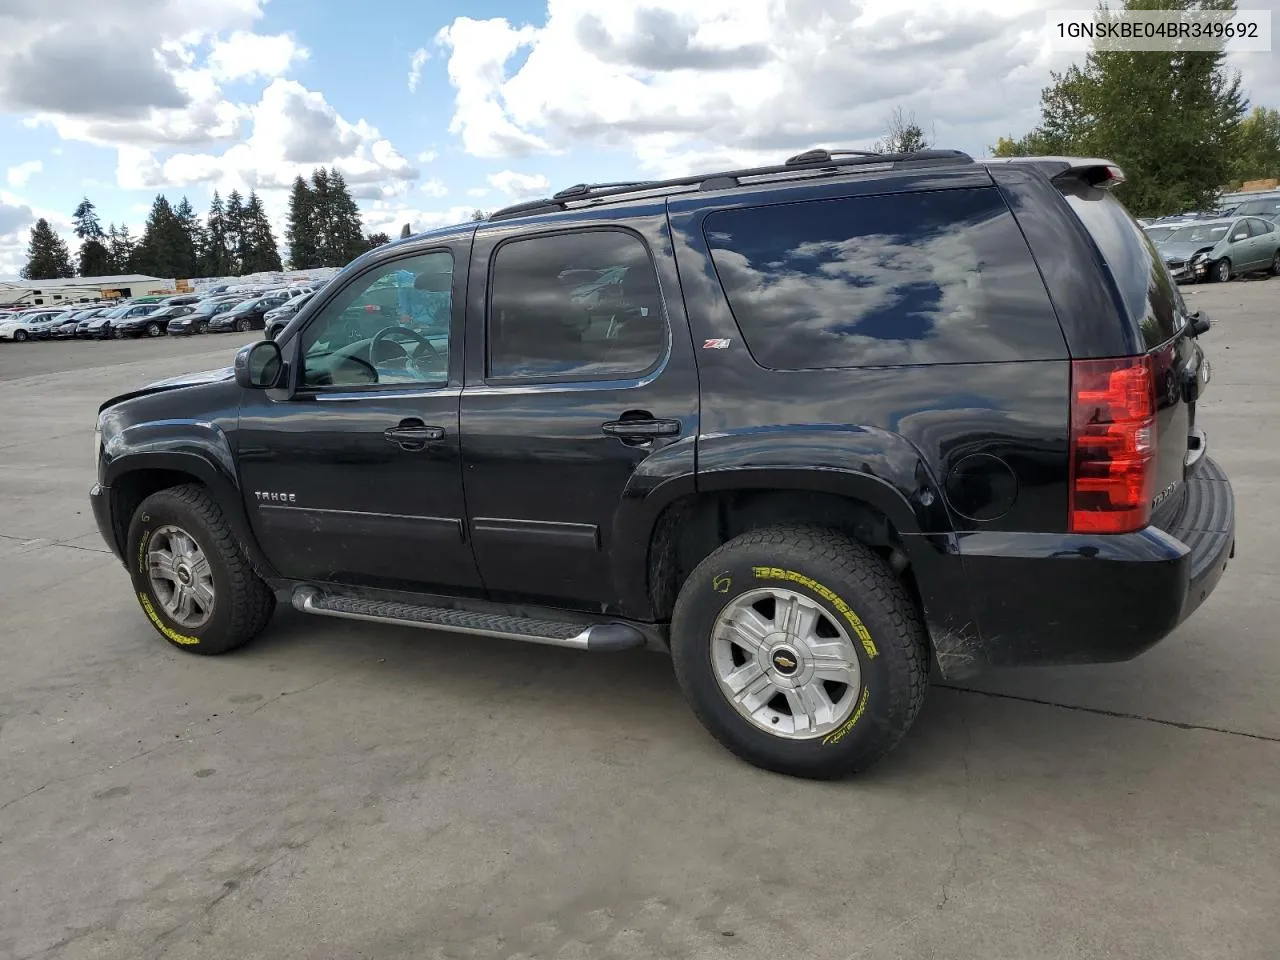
[384, 336]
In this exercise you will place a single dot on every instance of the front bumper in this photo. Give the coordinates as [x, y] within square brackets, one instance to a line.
[1052, 599]
[100, 501]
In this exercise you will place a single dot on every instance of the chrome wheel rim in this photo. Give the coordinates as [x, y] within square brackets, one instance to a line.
[180, 575]
[1224, 272]
[785, 664]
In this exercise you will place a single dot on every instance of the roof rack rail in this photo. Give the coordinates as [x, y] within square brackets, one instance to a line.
[820, 162]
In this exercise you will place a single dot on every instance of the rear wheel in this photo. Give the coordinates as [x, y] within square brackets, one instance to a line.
[193, 581]
[1222, 270]
[800, 652]
[1275, 264]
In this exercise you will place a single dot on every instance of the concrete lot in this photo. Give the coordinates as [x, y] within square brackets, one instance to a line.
[343, 791]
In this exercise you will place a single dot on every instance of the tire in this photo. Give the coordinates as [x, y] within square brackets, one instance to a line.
[118, 334]
[20, 336]
[153, 330]
[202, 327]
[854, 595]
[241, 602]
[243, 325]
[1222, 270]
[1275, 264]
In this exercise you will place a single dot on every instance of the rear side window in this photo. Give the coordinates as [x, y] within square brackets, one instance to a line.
[920, 278]
[1151, 298]
[575, 306]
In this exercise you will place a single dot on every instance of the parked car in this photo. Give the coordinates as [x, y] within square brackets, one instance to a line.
[180, 300]
[153, 324]
[247, 315]
[1268, 208]
[30, 325]
[276, 319]
[101, 326]
[1219, 249]
[809, 428]
[197, 322]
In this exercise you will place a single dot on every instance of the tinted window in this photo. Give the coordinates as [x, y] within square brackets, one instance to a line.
[582, 305]
[389, 325]
[1259, 227]
[923, 278]
[1151, 299]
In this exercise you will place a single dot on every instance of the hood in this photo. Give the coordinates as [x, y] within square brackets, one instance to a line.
[193, 379]
[1182, 251]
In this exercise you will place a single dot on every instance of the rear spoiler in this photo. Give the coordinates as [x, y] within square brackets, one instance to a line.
[1092, 170]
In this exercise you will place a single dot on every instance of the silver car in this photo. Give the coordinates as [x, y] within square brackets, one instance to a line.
[1220, 249]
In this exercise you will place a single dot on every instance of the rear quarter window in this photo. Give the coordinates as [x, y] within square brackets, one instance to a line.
[1150, 297]
[922, 278]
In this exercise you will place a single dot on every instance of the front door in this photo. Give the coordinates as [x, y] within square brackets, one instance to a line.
[579, 398]
[353, 474]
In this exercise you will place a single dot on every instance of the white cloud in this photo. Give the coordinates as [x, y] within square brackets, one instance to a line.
[675, 83]
[293, 130]
[19, 174]
[427, 156]
[390, 216]
[478, 192]
[434, 188]
[246, 55]
[520, 185]
[416, 63]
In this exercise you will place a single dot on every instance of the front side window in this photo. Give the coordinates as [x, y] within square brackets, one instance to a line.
[391, 325]
[583, 305]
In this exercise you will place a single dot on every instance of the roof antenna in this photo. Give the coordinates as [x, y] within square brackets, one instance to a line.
[405, 233]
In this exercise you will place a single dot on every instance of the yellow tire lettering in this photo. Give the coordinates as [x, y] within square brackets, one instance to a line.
[163, 627]
[860, 628]
[837, 735]
[142, 552]
[722, 583]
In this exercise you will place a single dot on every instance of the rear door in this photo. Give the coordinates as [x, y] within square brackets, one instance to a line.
[1265, 239]
[1153, 303]
[579, 400]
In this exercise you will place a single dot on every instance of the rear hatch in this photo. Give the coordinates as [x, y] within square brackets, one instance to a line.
[1153, 304]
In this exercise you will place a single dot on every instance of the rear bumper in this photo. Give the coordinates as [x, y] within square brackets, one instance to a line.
[1069, 598]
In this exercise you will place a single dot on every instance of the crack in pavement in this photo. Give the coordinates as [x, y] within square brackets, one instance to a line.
[1118, 714]
[962, 843]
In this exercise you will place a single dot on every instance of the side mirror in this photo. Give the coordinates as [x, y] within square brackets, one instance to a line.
[1199, 324]
[258, 366]
[1239, 235]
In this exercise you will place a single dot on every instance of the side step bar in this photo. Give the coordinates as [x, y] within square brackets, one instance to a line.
[601, 637]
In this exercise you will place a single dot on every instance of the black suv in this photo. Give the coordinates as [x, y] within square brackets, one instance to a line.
[816, 429]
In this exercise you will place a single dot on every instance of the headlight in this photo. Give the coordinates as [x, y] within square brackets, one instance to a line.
[97, 443]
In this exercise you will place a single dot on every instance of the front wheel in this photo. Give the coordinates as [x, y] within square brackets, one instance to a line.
[154, 330]
[20, 336]
[191, 577]
[1222, 270]
[243, 325]
[202, 327]
[800, 651]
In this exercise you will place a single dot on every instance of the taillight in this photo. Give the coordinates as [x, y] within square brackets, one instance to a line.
[1113, 444]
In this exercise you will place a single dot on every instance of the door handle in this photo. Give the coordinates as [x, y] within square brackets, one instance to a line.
[641, 428]
[413, 435]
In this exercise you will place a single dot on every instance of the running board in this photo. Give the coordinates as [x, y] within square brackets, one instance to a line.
[596, 638]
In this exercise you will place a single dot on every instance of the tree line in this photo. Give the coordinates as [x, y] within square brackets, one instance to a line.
[234, 239]
[1175, 121]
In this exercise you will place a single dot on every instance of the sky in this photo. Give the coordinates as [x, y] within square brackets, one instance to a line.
[433, 109]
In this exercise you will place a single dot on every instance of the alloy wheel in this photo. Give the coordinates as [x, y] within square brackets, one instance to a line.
[180, 575]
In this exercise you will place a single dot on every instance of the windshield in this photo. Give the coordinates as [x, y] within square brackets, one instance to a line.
[1160, 233]
[1200, 233]
[1259, 208]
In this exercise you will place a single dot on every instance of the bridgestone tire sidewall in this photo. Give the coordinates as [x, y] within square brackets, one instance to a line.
[161, 511]
[880, 715]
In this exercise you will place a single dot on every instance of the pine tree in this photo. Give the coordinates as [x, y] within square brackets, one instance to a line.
[322, 217]
[1170, 119]
[347, 231]
[165, 249]
[1258, 156]
[261, 254]
[47, 255]
[300, 229]
[193, 239]
[216, 261]
[94, 257]
[234, 232]
[122, 248]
